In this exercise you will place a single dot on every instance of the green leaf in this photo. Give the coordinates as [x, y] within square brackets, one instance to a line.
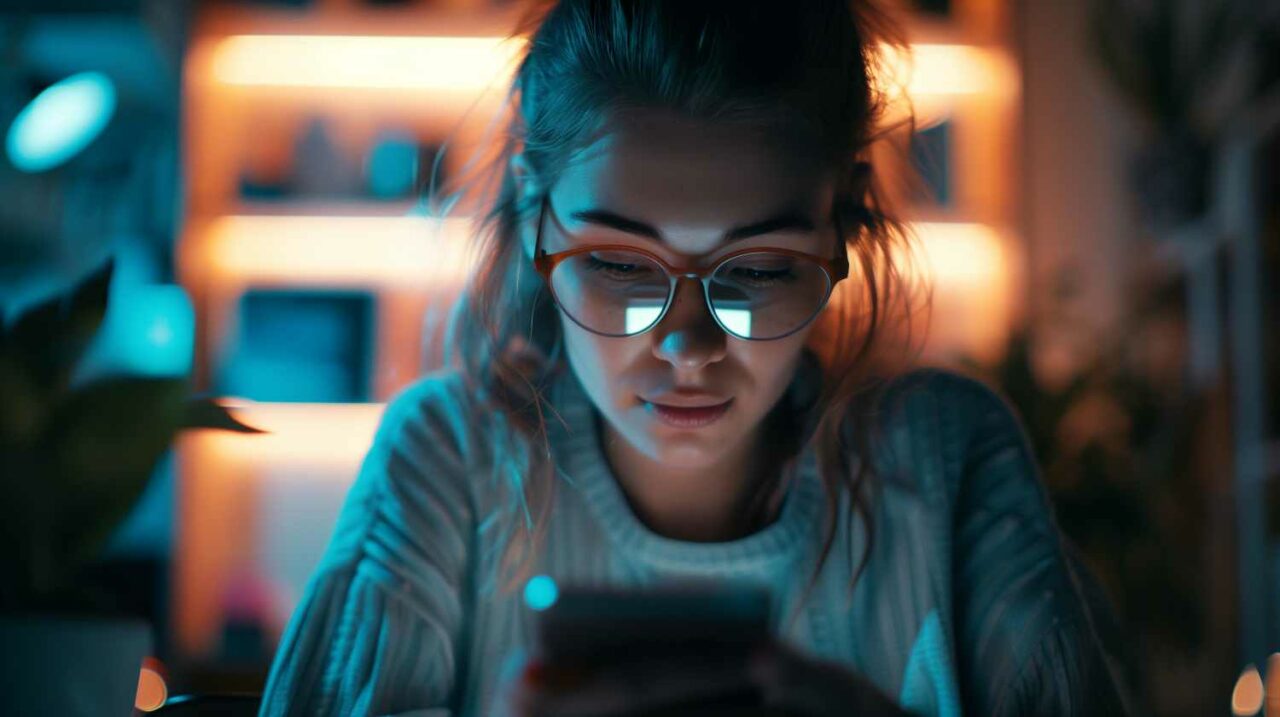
[102, 447]
[50, 338]
[207, 413]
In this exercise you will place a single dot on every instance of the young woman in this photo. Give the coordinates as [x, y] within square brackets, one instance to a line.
[665, 368]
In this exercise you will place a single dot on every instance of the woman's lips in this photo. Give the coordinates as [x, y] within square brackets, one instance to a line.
[687, 417]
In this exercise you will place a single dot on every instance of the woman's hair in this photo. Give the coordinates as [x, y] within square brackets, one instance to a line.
[810, 70]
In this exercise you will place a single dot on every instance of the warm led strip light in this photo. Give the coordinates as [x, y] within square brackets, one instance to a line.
[336, 249]
[951, 70]
[333, 435]
[354, 61]
[474, 63]
[961, 255]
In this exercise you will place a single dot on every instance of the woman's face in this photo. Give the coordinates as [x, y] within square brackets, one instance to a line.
[677, 187]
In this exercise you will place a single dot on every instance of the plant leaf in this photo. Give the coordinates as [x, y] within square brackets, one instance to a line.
[208, 413]
[50, 338]
[102, 447]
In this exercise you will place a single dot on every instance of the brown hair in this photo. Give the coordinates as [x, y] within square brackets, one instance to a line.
[814, 66]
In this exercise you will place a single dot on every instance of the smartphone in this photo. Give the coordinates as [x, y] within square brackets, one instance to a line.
[587, 624]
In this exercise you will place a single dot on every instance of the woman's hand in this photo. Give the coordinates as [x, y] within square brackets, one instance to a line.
[797, 684]
[775, 680]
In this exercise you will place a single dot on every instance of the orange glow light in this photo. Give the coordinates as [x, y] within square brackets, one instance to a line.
[1246, 698]
[476, 63]
[335, 250]
[951, 70]
[309, 434]
[222, 475]
[409, 63]
[961, 255]
[152, 690]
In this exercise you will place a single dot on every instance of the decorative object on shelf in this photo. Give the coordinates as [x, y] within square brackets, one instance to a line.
[301, 346]
[254, 187]
[320, 169]
[391, 167]
[931, 158]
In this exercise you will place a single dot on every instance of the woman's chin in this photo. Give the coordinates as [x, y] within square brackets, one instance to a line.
[686, 452]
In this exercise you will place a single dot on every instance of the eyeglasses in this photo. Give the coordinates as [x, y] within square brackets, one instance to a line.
[754, 294]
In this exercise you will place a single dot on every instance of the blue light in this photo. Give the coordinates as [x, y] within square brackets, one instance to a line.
[149, 330]
[61, 121]
[540, 592]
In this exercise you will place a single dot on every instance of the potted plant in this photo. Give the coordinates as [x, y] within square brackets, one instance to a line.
[75, 458]
[1190, 68]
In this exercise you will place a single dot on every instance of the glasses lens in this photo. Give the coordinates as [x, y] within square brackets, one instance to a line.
[766, 296]
[616, 293]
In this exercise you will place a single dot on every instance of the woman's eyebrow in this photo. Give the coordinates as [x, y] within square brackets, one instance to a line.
[790, 220]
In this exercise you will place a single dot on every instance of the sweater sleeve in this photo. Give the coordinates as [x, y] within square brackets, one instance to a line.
[379, 627]
[1028, 639]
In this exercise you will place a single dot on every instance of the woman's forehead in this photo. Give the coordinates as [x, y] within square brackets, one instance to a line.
[692, 179]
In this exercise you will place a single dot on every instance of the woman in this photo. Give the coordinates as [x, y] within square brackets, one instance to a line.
[666, 368]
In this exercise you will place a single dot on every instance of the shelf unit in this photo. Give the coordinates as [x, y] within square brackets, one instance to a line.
[232, 489]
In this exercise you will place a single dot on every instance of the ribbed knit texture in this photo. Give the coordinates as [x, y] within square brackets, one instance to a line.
[968, 603]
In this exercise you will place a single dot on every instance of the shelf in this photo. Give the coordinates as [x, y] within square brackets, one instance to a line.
[330, 250]
[469, 19]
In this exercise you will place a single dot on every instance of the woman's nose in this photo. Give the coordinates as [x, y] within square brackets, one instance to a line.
[688, 336]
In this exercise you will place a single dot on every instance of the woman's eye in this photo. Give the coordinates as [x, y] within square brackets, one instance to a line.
[616, 269]
[762, 275]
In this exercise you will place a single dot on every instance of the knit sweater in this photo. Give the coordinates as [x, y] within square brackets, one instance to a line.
[968, 603]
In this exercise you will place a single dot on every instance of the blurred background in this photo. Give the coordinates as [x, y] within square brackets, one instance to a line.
[1093, 184]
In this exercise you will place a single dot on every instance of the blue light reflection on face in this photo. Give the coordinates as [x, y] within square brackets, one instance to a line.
[540, 592]
[61, 121]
